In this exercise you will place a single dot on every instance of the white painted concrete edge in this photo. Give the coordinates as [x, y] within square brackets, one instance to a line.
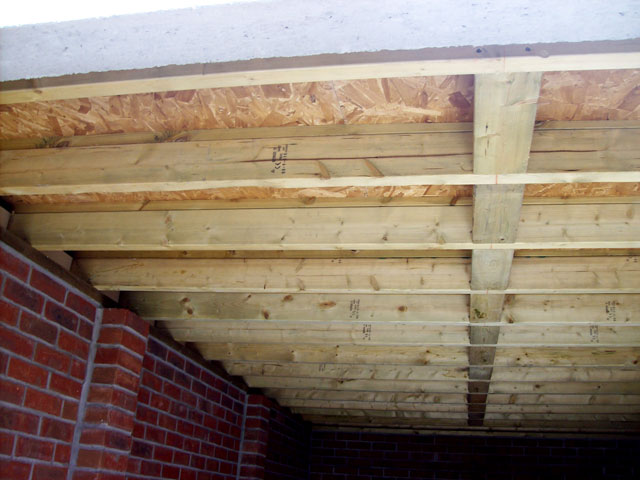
[290, 28]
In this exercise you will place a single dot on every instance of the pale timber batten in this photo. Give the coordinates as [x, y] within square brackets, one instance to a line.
[580, 153]
[552, 275]
[548, 226]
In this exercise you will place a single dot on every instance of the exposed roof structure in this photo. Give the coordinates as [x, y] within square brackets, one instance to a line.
[435, 239]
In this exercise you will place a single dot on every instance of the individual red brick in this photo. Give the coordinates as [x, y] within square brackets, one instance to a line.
[115, 376]
[174, 440]
[155, 435]
[187, 474]
[72, 344]
[47, 285]
[23, 296]
[6, 443]
[106, 415]
[140, 448]
[162, 454]
[147, 415]
[198, 461]
[61, 316]
[166, 421]
[78, 369]
[118, 336]
[65, 386]
[15, 420]
[81, 306]
[109, 395]
[13, 265]
[160, 402]
[11, 392]
[171, 390]
[108, 438]
[151, 381]
[150, 469]
[169, 471]
[8, 313]
[85, 329]
[181, 458]
[33, 448]
[138, 430]
[49, 472]
[15, 342]
[101, 459]
[112, 316]
[70, 410]
[43, 402]
[49, 357]
[14, 470]
[176, 360]
[156, 348]
[134, 465]
[57, 429]
[27, 372]
[37, 327]
[62, 453]
[118, 356]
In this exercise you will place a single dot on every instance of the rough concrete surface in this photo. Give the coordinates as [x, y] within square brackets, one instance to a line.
[285, 28]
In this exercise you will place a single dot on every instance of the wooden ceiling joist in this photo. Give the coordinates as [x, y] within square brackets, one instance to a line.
[317, 157]
[549, 226]
[447, 61]
[551, 275]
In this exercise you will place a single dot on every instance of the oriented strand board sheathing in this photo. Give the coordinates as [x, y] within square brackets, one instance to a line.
[407, 100]
[601, 95]
[398, 100]
[595, 95]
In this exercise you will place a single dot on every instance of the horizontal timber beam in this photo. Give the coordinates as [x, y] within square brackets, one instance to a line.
[369, 159]
[495, 401]
[458, 407]
[588, 356]
[434, 61]
[428, 333]
[551, 275]
[431, 372]
[390, 228]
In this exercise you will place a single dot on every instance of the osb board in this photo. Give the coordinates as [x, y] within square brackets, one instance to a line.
[417, 99]
[451, 194]
[596, 95]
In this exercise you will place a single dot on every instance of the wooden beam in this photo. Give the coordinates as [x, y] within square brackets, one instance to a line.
[550, 226]
[593, 355]
[457, 407]
[504, 118]
[430, 332]
[443, 61]
[430, 372]
[499, 402]
[597, 275]
[309, 159]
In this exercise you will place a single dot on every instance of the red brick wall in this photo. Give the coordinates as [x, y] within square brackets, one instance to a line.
[45, 337]
[91, 394]
[276, 443]
[188, 421]
[370, 456]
